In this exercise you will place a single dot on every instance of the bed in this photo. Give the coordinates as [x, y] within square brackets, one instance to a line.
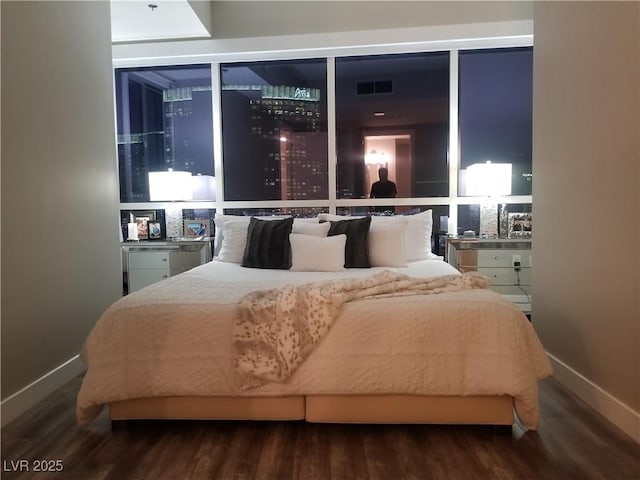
[461, 356]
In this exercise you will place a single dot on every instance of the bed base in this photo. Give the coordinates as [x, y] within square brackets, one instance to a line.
[468, 410]
[209, 408]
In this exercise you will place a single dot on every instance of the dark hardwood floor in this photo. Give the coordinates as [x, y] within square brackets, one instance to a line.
[573, 443]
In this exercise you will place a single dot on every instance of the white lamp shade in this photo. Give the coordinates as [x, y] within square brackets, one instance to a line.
[169, 186]
[203, 187]
[488, 179]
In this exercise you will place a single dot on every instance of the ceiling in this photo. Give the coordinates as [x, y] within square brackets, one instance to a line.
[152, 20]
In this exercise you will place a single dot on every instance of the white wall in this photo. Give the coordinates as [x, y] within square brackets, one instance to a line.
[232, 19]
[60, 252]
[586, 200]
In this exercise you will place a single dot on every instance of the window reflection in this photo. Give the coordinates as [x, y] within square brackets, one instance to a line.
[275, 130]
[164, 120]
[392, 111]
[495, 108]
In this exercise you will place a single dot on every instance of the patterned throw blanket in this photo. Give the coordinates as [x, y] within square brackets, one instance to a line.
[278, 329]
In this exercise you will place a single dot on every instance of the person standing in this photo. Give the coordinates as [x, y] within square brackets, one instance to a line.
[383, 188]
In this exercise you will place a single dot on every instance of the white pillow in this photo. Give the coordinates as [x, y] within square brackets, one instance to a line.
[387, 242]
[419, 228]
[418, 233]
[302, 226]
[419, 236]
[231, 237]
[317, 254]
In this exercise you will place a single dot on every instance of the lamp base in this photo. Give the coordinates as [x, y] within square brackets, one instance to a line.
[489, 220]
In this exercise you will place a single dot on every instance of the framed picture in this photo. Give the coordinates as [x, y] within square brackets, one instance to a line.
[154, 229]
[199, 227]
[142, 218]
[520, 225]
[143, 227]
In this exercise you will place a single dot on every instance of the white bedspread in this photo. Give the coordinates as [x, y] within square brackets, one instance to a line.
[174, 338]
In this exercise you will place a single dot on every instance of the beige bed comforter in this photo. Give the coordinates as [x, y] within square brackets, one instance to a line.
[277, 329]
[174, 338]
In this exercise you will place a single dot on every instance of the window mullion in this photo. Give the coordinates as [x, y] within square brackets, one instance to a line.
[454, 142]
[216, 105]
[331, 133]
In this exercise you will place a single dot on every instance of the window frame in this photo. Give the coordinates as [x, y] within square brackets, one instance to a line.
[483, 36]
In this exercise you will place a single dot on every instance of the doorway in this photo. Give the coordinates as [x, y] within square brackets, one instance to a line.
[393, 152]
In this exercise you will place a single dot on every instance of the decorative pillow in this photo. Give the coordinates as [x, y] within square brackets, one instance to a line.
[311, 253]
[387, 242]
[356, 252]
[310, 228]
[419, 236]
[231, 237]
[268, 244]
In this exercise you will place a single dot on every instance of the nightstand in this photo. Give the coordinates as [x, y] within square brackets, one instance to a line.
[497, 259]
[147, 262]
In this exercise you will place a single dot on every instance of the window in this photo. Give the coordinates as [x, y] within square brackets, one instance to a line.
[274, 130]
[393, 111]
[164, 120]
[495, 109]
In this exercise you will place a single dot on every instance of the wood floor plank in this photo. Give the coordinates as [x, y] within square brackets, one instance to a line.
[573, 443]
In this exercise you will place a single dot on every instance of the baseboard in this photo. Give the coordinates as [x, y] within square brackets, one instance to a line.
[621, 415]
[18, 403]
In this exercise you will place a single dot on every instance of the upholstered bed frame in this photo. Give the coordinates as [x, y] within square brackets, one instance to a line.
[465, 344]
[481, 410]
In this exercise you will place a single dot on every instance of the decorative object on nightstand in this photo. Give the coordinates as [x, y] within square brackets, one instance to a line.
[155, 230]
[197, 228]
[135, 223]
[132, 231]
[520, 225]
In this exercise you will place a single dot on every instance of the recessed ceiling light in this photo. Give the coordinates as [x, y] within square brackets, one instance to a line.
[378, 114]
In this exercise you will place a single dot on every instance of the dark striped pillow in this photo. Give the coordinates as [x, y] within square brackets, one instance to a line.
[356, 252]
[268, 244]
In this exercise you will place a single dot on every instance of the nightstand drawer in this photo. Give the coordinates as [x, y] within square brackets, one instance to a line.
[164, 259]
[506, 276]
[503, 258]
[149, 259]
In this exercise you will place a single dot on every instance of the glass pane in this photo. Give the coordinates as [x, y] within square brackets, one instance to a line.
[275, 130]
[164, 120]
[393, 111]
[496, 111]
